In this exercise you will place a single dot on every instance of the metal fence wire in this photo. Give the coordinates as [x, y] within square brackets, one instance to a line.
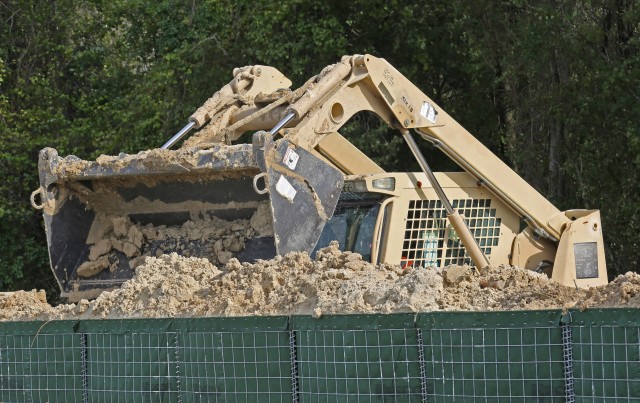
[543, 356]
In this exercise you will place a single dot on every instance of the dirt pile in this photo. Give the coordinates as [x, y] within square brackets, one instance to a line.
[24, 305]
[504, 288]
[623, 291]
[334, 283]
[204, 235]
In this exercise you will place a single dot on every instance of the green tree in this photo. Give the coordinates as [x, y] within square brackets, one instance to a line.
[549, 86]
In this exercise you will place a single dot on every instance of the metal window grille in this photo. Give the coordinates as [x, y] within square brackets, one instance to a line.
[430, 241]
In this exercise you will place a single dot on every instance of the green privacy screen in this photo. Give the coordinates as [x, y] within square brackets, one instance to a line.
[510, 356]
[606, 354]
[358, 358]
[543, 356]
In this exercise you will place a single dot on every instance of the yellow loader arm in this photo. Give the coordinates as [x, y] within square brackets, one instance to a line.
[311, 116]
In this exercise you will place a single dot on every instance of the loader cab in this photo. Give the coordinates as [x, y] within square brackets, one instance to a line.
[397, 218]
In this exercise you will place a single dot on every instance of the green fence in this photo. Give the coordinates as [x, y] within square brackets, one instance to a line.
[543, 356]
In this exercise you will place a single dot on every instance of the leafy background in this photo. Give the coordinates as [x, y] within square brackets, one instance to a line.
[550, 86]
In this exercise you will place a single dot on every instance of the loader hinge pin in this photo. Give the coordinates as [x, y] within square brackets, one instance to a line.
[179, 135]
[282, 123]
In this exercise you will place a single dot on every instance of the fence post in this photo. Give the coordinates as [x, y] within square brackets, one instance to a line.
[176, 343]
[423, 367]
[567, 358]
[84, 367]
[295, 394]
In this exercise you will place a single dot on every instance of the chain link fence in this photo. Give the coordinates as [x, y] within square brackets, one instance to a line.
[543, 356]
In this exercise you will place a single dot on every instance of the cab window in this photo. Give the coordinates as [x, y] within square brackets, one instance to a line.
[352, 224]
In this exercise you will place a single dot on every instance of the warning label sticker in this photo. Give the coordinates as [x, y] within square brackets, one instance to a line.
[290, 159]
[285, 188]
[429, 112]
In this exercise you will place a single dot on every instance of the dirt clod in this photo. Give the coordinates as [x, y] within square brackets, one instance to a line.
[455, 274]
[93, 267]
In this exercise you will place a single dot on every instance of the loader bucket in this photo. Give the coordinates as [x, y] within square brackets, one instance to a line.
[103, 218]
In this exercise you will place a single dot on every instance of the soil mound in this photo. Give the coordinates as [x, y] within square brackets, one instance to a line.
[334, 282]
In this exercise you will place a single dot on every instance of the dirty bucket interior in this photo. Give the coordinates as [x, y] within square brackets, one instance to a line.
[106, 226]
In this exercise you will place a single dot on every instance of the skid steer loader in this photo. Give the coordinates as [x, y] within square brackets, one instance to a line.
[299, 185]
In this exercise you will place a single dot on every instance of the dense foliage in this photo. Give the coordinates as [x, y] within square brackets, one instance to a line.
[550, 86]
